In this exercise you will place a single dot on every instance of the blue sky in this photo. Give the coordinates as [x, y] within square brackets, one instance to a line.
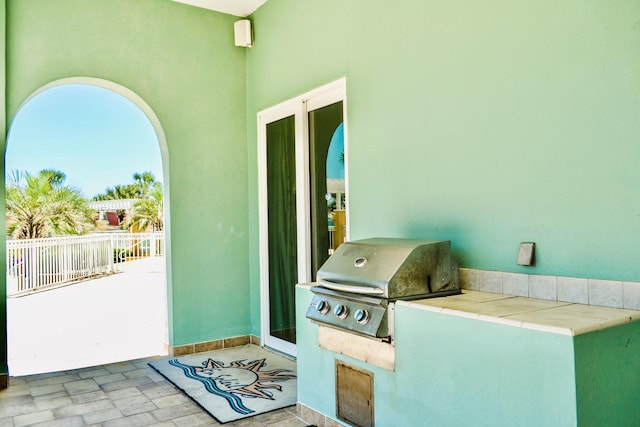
[95, 136]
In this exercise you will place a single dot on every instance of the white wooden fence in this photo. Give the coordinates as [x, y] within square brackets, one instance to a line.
[35, 264]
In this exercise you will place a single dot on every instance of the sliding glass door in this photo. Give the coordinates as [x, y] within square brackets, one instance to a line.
[297, 205]
[325, 125]
[282, 228]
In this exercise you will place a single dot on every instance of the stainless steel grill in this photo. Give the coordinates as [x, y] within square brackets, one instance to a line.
[357, 286]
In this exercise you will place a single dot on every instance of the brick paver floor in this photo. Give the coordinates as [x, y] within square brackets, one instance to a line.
[119, 394]
[90, 326]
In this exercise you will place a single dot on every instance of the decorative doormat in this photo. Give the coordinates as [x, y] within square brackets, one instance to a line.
[233, 383]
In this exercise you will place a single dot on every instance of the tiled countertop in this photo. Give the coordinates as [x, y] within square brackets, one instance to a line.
[529, 313]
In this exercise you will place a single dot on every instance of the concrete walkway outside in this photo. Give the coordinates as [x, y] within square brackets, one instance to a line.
[100, 321]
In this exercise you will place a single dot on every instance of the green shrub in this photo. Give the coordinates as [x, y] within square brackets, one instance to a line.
[121, 254]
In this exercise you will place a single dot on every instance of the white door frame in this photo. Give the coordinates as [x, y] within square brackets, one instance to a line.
[299, 107]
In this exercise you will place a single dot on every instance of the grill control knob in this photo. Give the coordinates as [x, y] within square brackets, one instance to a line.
[341, 311]
[362, 316]
[323, 306]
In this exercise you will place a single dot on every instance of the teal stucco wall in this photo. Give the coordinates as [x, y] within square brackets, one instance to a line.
[487, 123]
[608, 377]
[182, 62]
[3, 248]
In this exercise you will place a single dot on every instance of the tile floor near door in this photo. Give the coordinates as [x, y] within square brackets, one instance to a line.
[119, 394]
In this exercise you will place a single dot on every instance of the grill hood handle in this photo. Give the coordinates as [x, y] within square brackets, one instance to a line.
[341, 287]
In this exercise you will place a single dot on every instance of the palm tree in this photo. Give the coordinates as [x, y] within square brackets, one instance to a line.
[147, 212]
[129, 191]
[145, 182]
[41, 206]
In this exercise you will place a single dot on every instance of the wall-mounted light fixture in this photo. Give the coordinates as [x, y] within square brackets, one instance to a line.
[242, 33]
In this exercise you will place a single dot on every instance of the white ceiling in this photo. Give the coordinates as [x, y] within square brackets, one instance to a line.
[232, 7]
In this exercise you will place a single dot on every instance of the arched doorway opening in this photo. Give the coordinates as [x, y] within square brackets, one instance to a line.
[82, 132]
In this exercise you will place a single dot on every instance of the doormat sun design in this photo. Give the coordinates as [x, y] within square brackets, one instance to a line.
[233, 383]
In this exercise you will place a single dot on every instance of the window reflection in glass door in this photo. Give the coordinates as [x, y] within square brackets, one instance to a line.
[326, 135]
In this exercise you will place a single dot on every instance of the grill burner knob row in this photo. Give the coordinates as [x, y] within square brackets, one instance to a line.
[362, 316]
[323, 306]
[341, 311]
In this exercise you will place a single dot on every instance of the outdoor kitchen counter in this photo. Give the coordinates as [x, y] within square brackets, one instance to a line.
[482, 359]
[529, 313]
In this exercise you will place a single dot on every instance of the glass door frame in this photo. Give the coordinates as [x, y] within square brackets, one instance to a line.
[299, 107]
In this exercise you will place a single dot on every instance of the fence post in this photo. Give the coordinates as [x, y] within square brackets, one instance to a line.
[152, 245]
[32, 268]
[64, 261]
[112, 252]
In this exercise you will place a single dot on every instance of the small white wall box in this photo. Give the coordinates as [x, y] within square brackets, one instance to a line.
[527, 253]
[242, 33]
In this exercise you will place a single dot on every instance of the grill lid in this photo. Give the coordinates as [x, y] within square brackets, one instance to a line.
[390, 268]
